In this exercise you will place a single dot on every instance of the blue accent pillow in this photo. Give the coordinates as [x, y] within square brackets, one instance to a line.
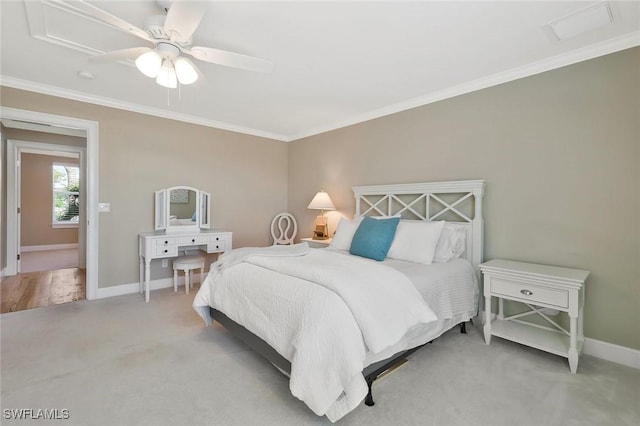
[373, 237]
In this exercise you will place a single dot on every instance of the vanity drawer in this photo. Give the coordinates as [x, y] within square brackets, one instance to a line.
[165, 241]
[217, 243]
[193, 240]
[529, 292]
[170, 250]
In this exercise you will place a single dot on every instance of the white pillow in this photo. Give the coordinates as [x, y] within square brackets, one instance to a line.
[344, 233]
[452, 243]
[416, 241]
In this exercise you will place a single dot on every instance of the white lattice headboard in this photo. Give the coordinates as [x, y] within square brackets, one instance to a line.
[456, 201]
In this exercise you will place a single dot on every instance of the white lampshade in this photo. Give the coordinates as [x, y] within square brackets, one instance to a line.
[149, 63]
[167, 75]
[185, 71]
[321, 202]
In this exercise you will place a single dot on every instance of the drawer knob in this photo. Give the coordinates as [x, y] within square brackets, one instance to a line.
[217, 238]
[166, 242]
[193, 240]
[526, 292]
[217, 246]
[166, 251]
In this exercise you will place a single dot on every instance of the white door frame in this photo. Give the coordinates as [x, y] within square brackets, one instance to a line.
[91, 185]
[15, 149]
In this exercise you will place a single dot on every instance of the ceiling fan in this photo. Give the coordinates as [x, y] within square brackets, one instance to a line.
[171, 35]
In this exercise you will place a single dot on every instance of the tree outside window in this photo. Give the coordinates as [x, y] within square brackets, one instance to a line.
[66, 194]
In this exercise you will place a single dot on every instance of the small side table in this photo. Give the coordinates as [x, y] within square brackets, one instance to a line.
[317, 243]
[538, 287]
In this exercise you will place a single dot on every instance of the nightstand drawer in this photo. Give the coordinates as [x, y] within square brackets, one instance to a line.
[529, 292]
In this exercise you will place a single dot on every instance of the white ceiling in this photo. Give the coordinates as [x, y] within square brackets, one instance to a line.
[336, 63]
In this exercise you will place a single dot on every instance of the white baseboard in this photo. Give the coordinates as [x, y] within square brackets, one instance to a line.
[46, 247]
[119, 290]
[599, 349]
[610, 352]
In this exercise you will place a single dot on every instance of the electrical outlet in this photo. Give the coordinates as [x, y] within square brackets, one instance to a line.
[165, 263]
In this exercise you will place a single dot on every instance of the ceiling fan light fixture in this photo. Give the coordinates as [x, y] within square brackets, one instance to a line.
[167, 75]
[149, 63]
[185, 71]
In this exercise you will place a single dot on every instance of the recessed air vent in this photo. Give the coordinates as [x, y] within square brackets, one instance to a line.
[583, 21]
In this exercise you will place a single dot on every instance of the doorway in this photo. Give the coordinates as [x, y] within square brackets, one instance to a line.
[87, 218]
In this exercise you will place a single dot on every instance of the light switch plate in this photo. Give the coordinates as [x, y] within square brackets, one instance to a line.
[104, 207]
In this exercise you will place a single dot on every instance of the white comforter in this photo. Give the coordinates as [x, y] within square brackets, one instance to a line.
[323, 312]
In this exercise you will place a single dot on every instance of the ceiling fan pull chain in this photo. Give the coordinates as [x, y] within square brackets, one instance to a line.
[179, 92]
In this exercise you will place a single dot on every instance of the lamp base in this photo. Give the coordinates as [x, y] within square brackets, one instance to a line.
[321, 231]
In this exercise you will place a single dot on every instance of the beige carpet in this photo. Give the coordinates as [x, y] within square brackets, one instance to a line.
[121, 361]
[48, 260]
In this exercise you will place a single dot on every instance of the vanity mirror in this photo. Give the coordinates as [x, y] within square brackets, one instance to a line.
[182, 209]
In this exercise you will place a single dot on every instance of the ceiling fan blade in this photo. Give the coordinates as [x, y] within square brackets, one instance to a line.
[107, 18]
[230, 59]
[119, 55]
[183, 18]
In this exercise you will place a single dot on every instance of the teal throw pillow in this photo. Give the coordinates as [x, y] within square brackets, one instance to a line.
[373, 237]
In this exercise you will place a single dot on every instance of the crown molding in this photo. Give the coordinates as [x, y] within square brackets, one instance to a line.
[617, 44]
[45, 89]
[627, 41]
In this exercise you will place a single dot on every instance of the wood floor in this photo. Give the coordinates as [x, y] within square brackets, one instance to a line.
[37, 289]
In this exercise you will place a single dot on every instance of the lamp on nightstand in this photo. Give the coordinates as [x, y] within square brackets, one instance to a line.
[321, 202]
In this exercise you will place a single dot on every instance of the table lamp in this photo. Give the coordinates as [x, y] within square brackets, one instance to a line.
[321, 202]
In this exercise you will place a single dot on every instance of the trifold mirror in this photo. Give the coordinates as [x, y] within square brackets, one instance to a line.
[182, 209]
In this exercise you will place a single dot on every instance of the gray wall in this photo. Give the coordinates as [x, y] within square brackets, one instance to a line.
[138, 154]
[559, 152]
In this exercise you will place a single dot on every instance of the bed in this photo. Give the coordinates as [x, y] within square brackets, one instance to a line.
[334, 322]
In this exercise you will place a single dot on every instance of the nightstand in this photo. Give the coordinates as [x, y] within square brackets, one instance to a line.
[317, 243]
[538, 287]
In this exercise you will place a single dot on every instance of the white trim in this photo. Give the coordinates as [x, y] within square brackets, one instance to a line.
[611, 352]
[63, 225]
[606, 47]
[14, 151]
[579, 55]
[53, 153]
[13, 124]
[596, 348]
[90, 189]
[47, 247]
[46, 89]
[119, 290]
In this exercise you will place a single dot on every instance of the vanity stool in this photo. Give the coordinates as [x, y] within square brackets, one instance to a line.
[187, 264]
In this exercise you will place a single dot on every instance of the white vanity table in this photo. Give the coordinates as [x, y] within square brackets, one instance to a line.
[162, 245]
[182, 221]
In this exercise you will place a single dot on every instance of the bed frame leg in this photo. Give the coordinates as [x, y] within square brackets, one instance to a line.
[463, 328]
[368, 401]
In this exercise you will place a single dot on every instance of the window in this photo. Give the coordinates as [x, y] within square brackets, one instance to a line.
[66, 194]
